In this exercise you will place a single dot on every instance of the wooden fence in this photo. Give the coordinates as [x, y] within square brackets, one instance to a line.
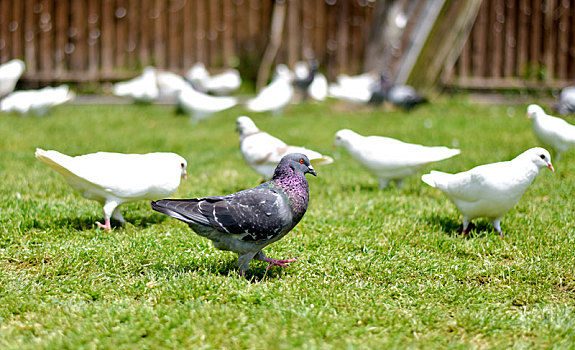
[519, 43]
[98, 40]
[513, 43]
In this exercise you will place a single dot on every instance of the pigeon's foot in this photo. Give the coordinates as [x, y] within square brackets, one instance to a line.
[501, 234]
[280, 263]
[106, 226]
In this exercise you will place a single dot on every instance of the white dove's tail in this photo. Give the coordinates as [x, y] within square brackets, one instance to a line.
[55, 160]
[435, 178]
[321, 161]
[441, 152]
[315, 158]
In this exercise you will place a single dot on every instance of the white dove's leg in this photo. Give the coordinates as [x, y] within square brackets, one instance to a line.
[109, 208]
[383, 183]
[399, 183]
[466, 222]
[273, 262]
[497, 225]
[117, 215]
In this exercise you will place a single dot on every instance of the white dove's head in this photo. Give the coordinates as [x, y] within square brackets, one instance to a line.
[343, 137]
[245, 125]
[533, 111]
[179, 163]
[539, 156]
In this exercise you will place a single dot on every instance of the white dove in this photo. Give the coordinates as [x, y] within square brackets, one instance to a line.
[115, 178]
[318, 87]
[143, 88]
[276, 95]
[170, 84]
[10, 72]
[197, 76]
[262, 152]
[224, 83]
[490, 190]
[201, 106]
[354, 89]
[38, 102]
[390, 159]
[552, 132]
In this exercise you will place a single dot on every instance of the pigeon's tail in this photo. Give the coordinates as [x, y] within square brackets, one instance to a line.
[434, 178]
[181, 209]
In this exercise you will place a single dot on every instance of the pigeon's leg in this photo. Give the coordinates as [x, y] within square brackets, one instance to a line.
[109, 208]
[466, 223]
[244, 261]
[273, 262]
[497, 225]
[117, 215]
[383, 183]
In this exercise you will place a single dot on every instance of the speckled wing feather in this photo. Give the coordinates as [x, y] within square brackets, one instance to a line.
[258, 214]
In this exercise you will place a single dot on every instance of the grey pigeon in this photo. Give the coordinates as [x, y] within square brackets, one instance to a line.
[566, 103]
[247, 221]
[403, 96]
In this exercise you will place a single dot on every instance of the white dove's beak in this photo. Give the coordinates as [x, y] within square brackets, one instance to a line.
[185, 175]
[550, 166]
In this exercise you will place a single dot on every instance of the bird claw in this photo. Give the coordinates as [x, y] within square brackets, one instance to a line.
[106, 226]
[280, 263]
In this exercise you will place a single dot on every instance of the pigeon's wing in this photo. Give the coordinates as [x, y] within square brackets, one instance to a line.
[258, 213]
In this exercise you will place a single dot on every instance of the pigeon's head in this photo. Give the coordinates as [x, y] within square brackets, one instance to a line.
[343, 137]
[540, 157]
[533, 111]
[245, 125]
[298, 162]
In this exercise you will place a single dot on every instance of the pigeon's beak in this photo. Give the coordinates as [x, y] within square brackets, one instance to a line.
[185, 175]
[312, 170]
[550, 166]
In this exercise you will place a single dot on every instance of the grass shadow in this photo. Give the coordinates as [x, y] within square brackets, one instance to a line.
[85, 223]
[367, 188]
[454, 228]
[226, 267]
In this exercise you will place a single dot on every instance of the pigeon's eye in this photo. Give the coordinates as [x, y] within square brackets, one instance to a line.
[542, 156]
[182, 165]
[301, 161]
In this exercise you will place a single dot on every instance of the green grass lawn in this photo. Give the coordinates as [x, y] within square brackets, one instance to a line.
[377, 268]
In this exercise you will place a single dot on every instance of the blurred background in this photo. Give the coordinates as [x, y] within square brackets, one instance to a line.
[475, 44]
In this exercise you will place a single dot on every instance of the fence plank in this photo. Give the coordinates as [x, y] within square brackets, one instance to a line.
[562, 53]
[522, 50]
[510, 39]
